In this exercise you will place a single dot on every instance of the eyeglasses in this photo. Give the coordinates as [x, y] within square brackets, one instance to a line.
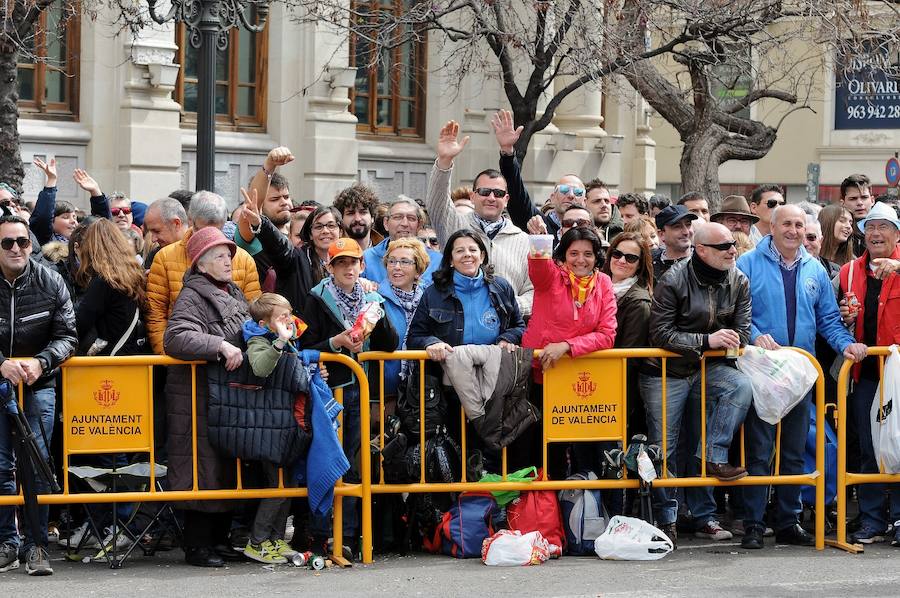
[720, 246]
[406, 263]
[401, 217]
[566, 189]
[117, 211]
[8, 242]
[812, 238]
[429, 240]
[487, 191]
[629, 257]
[329, 226]
[580, 223]
[771, 203]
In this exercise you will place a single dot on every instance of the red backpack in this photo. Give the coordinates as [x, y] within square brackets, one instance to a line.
[538, 510]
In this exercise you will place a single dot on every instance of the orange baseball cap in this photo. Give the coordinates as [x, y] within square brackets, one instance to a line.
[344, 247]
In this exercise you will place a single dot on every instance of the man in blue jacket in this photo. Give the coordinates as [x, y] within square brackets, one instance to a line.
[791, 300]
[404, 219]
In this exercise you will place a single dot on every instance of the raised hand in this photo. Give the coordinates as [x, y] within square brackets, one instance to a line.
[278, 157]
[49, 169]
[449, 145]
[84, 180]
[505, 131]
[251, 210]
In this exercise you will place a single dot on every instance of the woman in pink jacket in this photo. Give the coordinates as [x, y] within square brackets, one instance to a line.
[574, 311]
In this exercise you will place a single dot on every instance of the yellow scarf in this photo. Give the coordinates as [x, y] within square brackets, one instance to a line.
[581, 286]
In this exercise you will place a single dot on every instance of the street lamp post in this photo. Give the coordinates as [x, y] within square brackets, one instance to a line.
[208, 24]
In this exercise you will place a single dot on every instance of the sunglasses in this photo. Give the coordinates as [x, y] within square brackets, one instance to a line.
[429, 240]
[298, 209]
[566, 189]
[487, 191]
[117, 211]
[771, 203]
[629, 257]
[580, 223]
[8, 242]
[812, 238]
[720, 246]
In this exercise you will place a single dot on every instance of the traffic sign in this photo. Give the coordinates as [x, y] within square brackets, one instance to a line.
[892, 172]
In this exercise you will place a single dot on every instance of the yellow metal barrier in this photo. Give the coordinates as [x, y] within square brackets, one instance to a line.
[108, 408]
[845, 478]
[815, 478]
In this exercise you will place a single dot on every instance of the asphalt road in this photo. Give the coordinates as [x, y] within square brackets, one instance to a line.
[698, 568]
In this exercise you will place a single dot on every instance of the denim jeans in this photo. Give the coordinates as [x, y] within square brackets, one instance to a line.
[760, 446]
[40, 410]
[320, 526]
[728, 396]
[871, 496]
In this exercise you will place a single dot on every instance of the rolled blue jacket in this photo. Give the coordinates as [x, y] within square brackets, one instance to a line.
[817, 309]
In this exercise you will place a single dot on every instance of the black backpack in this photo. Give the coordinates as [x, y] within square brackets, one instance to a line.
[409, 406]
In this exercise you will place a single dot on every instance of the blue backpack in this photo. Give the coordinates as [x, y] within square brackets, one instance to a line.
[808, 493]
[465, 526]
[584, 516]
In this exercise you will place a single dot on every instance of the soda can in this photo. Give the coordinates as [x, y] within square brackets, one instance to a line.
[300, 559]
[316, 562]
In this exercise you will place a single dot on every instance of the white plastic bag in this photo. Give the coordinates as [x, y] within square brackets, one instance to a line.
[630, 539]
[780, 379]
[885, 419]
[508, 548]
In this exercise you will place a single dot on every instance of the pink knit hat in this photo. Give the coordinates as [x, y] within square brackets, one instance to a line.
[205, 239]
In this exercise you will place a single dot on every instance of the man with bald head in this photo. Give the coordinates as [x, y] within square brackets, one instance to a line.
[569, 190]
[792, 300]
[702, 302]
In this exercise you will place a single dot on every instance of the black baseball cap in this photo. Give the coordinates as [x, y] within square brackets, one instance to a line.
[672, 214]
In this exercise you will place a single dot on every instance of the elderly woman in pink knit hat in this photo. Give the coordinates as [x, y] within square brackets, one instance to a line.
[205, 324]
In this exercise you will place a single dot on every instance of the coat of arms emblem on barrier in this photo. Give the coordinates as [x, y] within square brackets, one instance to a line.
[106, 396]
[584, 386]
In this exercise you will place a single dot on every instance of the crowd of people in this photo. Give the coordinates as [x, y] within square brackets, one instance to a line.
[459, 268]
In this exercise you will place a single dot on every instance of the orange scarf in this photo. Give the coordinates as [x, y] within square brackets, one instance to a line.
[581, 286]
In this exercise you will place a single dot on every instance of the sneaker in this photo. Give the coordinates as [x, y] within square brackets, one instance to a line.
[38, 562]
[9, 558]
[122, 543]
[895, 541]
[737, 528]
[264, 552]
[713, 531]
[283, 548]
[866, 535]
[671, 530]
[82, 537]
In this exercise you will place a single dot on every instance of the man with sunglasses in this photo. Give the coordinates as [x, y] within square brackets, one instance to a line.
[403, 220]
[792, 300]
[570, 189]
[763, 200]
[120, 208]
[507, 244]
[37, 328]
[701, 303]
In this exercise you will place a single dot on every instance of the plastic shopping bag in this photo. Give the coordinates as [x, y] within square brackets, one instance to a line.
[885, 419]
[630, 539]
[509, 548]
[504, 497]
[780, 379]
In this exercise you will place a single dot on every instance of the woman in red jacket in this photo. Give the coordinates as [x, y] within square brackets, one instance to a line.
[574, 309]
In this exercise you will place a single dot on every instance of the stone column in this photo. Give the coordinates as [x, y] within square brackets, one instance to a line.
[148, 147]
[643, 178]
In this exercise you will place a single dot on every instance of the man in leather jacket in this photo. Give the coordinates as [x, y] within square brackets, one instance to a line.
[700, 303]
[37, 325]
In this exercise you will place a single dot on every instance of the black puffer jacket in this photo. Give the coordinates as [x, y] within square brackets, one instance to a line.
[252, 417]
[37, 319]
[492, 386]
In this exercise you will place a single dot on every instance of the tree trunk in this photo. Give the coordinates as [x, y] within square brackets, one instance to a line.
[700, 167]
[11, 171]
